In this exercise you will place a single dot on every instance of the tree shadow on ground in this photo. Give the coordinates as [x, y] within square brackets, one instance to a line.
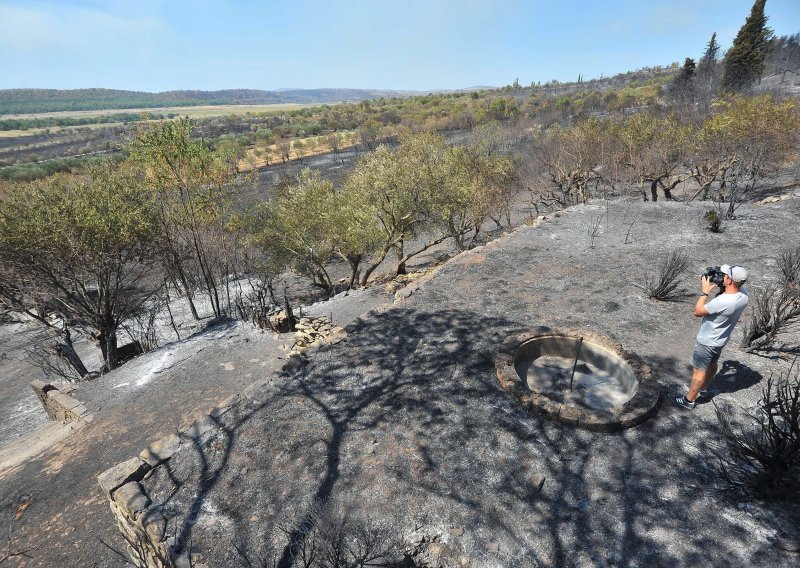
[405, 419]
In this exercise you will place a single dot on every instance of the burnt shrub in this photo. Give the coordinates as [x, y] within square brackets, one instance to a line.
[789, 265]
[762, 458]
[713, 220]
[664, 283]
[774, 307]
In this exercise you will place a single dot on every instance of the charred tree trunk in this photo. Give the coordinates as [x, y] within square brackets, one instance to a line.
[67, 351]
[187, 290]
[354, 260]
[289, 314]
[108, 345]
[371, 268]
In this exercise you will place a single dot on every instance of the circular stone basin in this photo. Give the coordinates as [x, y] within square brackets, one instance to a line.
[578, 378]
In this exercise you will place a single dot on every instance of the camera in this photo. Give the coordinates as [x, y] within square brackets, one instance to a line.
[714, 275]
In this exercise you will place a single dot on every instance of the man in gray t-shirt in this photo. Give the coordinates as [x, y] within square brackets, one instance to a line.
[719, 318]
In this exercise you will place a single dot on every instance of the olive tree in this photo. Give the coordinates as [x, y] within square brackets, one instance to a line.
[294, 227]
[81, 246]
[308, 223]
[196, 189]
[568, 160]
[402, 187]
[650, 150]
[741, 142]
[479, 185]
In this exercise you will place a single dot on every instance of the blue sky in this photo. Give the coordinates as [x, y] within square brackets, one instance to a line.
[157, 45]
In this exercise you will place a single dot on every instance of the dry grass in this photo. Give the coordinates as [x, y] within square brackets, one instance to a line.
[191, 111]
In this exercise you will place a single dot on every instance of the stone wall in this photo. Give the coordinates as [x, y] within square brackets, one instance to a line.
[59, 405]
[142, 526]
[141, 522]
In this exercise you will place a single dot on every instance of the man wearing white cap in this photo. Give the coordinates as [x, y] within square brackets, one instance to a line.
[719, 318]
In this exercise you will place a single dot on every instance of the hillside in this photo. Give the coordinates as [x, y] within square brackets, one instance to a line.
[22, 101]
[403, 416]
[28, 101]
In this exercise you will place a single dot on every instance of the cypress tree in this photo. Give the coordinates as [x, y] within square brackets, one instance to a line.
[683, 85]
[709, 59]
[744, 62]
[707, 76]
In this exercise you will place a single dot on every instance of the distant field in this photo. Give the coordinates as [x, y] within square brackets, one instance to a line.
[36, 131]
[192, 111]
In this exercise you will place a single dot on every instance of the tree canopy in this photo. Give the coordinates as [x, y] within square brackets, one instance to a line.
[744, 61]
[85, 245]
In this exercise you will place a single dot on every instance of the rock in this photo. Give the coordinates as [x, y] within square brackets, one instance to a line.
[279, 322]
[113, 478]
[404, 293]
[154, 523]
[436, 549]
[537, 482]
[161, 450]
[131, 497]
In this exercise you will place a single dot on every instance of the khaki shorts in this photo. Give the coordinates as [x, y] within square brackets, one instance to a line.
[704, 356]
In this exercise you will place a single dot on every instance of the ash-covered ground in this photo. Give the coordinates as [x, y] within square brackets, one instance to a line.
[405, 418]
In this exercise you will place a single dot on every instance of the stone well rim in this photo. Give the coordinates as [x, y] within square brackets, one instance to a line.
[641, 406]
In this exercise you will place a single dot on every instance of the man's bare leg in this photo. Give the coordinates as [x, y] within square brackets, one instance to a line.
[700, 379]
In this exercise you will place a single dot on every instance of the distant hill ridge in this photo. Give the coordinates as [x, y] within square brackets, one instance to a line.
[24, 101]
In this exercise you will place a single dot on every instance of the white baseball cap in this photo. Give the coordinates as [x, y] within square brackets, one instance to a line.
[736, 273]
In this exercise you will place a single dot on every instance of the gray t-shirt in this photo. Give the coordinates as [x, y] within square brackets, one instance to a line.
[724, 312]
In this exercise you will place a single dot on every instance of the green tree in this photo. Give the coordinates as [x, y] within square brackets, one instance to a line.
[368, 134]
[708, 71]
[355, 230]
[480, 184]
[82, 246]
[299, 149]
[308, 223]
[402, 186]
[682, 88]
[295, 228]
[334, 143]
[284, 151]
[744, 61]
[195, 188]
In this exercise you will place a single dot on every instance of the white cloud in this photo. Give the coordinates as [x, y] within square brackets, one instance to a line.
[44, 27]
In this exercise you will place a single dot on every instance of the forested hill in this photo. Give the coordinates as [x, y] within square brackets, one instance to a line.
[22, 101]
